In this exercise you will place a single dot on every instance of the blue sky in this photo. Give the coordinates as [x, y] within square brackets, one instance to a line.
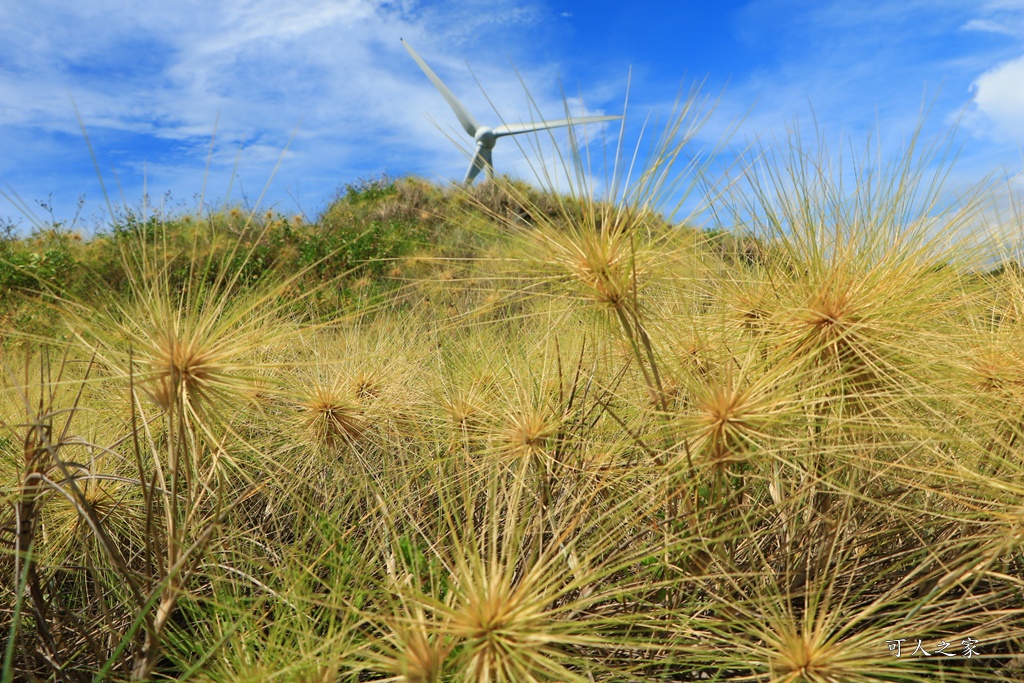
[153, 81]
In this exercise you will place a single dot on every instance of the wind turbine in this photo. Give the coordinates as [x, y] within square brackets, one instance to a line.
[486, 137]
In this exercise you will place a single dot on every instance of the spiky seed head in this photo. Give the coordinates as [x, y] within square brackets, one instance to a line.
[527, 432]
[836, 327]
[367, 385]
[752, 312]
[602, 266]
[803, 657]
[184, 369]
[421, 657]
[463, 412]
[500, 624]
[999, 372]
[331, 418]
[829, 319]
[723, 417]
[602, 263]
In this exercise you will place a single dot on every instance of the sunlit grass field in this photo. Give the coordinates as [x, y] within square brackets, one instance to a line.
[506, 434]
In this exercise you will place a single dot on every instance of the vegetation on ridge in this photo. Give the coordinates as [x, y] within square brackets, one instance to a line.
[501, 434]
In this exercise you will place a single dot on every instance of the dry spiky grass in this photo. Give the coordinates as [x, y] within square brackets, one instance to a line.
[590, 446]
[189, 351]
[331, 416]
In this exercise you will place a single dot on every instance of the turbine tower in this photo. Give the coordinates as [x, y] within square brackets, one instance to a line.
[486, 137]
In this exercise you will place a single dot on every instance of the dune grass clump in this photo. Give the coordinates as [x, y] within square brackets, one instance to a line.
[331, 418]
[510, 434]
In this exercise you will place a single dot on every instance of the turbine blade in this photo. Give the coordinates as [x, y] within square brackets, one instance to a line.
[465, 118]
[516, 128]
[481, 161]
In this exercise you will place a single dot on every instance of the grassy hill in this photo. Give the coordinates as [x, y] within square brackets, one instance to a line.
[502, 434]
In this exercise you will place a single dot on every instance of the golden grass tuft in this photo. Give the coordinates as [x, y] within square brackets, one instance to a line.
[183, 369]
[422, 657]
[527, 433]
[603, 265]
[812, 657]
[503, 626]
[591, 445]
[332, 417]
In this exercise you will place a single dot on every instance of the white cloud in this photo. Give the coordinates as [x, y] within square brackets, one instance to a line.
[157, 77]
[999, 101]
[989, 26]
[998, 16]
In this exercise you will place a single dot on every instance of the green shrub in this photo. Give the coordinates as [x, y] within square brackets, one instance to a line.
[367, 225]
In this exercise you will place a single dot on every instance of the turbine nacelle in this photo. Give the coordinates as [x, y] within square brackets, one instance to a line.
[487, 137]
